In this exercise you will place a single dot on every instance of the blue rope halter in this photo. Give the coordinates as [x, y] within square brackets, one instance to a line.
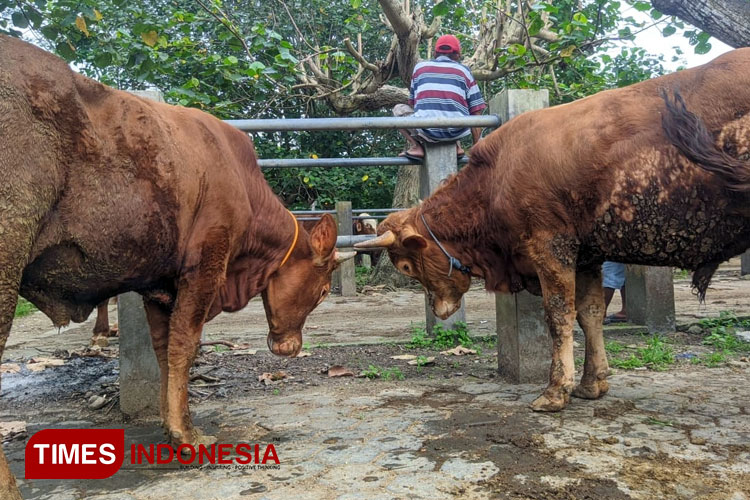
[454, 262]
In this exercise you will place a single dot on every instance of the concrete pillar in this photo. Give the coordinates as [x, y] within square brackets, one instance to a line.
[344, 277]
[523, 342]
[366, 260]
[649, 293]
[139, 371]
[745, 263]
[439, 163]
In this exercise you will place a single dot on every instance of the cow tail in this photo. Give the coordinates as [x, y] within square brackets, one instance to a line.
[689, 135]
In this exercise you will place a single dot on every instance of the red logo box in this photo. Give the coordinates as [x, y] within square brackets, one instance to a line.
[74, 453]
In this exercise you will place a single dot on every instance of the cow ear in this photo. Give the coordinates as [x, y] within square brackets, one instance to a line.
[323, 237]
[358, 226]
[412, 240]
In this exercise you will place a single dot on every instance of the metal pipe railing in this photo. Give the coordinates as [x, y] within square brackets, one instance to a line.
[348, 241]
[341, 162]
[362, 123]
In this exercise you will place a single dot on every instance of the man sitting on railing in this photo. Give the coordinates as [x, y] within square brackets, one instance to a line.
[441, 88]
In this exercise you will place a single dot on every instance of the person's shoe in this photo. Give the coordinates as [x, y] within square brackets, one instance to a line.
[613, 318]
[413, 153]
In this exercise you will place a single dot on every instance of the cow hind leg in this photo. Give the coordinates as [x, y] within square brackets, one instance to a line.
[158, 322]
[590, 314]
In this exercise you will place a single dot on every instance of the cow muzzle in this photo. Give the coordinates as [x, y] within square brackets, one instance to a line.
[288, 345]
[443, 309]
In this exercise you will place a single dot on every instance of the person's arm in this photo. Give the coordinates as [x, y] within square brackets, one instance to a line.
[476, 132]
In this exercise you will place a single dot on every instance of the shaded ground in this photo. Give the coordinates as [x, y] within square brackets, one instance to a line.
[452, 429]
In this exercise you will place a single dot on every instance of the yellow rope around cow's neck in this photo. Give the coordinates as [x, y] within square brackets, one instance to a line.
[294, 243]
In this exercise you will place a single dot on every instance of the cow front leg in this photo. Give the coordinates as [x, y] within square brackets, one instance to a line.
[196, 291]
[554, 257]
[158, 322]
[590, 309]
[8, 299]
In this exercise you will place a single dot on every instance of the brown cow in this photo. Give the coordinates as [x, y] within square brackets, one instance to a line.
[553, 193]
[104, 192]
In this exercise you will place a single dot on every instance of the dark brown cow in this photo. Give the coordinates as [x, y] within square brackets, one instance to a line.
[617, 176]
[104, 192]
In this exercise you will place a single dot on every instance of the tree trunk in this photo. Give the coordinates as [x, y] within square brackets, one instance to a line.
[727, 20]
[406, 194]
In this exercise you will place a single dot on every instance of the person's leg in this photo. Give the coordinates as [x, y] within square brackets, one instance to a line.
[414, 148]
[608, 294]
[623, 313]
[613, 278]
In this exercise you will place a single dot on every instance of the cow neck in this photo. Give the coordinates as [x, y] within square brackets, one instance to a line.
[274, 233]
[457, 214]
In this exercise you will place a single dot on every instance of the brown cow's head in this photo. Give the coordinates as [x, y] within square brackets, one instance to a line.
[302, 283]
[414, 253]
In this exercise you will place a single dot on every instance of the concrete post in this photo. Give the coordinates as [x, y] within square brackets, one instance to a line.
[344, 277]
[649, 293]
[366, 260]
[523, 343]
[745, 263]
[139, 371]
[439, 163]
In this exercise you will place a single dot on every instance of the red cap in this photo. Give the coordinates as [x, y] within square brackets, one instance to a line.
[447, 44]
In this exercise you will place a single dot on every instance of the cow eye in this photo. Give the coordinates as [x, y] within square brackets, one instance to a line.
[406, 268]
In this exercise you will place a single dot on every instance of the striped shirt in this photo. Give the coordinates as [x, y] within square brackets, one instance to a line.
[444, 88]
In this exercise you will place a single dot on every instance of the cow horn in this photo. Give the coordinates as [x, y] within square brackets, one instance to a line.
[385, 240]
[342, 256]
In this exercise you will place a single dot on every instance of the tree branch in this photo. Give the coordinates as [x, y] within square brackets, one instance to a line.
[727, 20]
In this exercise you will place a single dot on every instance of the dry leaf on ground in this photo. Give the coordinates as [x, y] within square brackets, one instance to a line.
[39, 364]
[279, 375]
[422, 362]
[10, 368]
[13, 428]
[404, 356]
[340, 371]
[458, 351]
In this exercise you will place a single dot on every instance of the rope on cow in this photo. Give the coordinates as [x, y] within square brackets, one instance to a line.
[294, 243]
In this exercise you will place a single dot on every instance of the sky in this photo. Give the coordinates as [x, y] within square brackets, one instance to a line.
[654, 42]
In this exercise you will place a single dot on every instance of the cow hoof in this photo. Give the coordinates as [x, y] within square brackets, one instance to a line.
[194, 437]
[591, 391]
[545, 403]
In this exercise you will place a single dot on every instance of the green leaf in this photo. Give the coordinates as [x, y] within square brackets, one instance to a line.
[642, 6]
[702, 48]
[103, 59]
[517, 49]
[65, 51]
[231, 60]
[536, 25]
[356, 4]
[441, 9]
[19, 20]
[669, 31]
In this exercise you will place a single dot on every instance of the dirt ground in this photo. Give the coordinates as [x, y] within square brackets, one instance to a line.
[451, 429]
[375, 316]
